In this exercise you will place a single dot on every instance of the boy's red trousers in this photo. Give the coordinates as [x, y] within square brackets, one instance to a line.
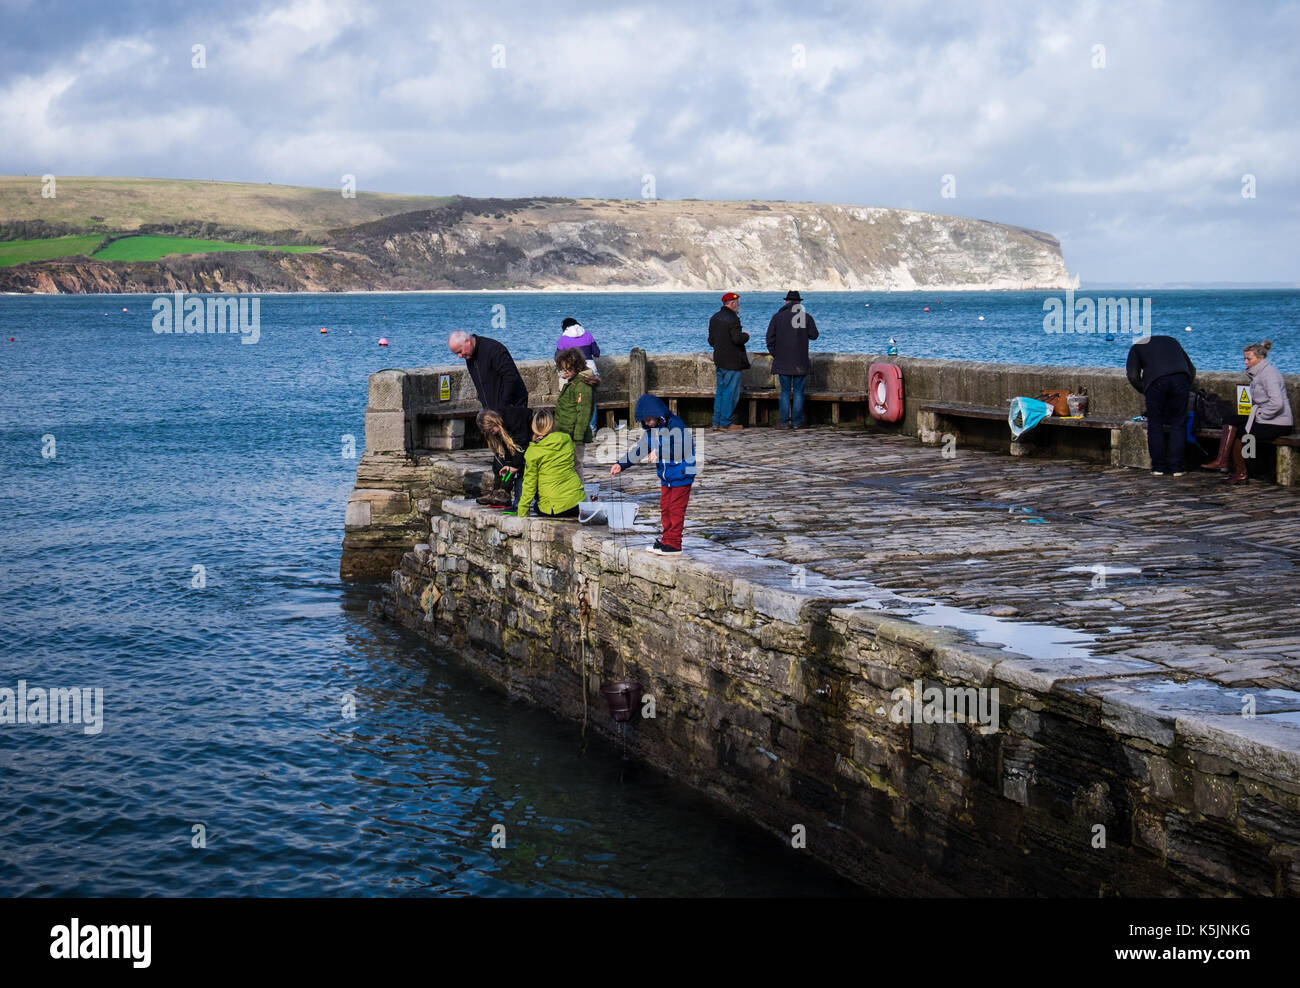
[672, 513]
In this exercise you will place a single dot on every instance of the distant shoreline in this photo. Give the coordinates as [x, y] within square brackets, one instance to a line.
[950, 289]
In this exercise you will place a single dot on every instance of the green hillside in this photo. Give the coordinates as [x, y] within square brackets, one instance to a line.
[126, 204]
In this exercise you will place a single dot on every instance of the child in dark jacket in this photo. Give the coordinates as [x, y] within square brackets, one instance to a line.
[507, 433]
[669, 444]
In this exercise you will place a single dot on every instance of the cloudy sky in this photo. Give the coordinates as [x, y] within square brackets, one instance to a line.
[1134, 153]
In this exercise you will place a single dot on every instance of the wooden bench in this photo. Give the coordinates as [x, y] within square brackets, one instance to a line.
[1292, 441]
[836, 398]
[1000, 415]
[756, 396]
[933, 417]
[1284, 447]
[425, 419]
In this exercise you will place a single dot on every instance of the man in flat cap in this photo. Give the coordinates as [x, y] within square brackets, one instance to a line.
[729, 357]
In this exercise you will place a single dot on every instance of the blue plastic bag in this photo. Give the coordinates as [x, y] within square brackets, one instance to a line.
[1025, 413]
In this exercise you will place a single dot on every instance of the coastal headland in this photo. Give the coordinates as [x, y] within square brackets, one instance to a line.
[101, 235]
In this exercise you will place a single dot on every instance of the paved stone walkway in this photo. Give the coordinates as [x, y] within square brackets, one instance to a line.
[1040, 555]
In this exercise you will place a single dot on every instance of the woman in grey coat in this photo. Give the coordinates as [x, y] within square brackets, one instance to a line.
[1270, 412]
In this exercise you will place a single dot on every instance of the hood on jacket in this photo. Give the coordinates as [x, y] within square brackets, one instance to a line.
[1259, 366]
[589, 376]
[553, 438]
[574, 336]
[648, 406]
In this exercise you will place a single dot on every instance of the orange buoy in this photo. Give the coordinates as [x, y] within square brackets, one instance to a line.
[124, 308]
[324, 330]
[926, 309]
[885, 392]
[382, 341]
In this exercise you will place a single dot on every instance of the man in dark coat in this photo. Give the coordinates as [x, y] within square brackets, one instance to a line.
[729, 357]
[787, 341]
[1160, 369]
[492, 369]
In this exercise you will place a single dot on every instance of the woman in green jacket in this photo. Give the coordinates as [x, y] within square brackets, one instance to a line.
[573, 411]
[549, 473]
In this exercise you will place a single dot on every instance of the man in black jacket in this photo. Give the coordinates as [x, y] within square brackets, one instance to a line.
[729, 357]
[492, 369]
[787, 341]
[1160, 369]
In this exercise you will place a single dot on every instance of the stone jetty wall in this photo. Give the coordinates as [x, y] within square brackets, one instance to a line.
[800, 712]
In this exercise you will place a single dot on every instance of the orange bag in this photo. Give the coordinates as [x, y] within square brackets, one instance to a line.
[1057, 398]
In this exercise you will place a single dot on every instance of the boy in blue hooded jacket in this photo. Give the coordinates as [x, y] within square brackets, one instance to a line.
[670, 445]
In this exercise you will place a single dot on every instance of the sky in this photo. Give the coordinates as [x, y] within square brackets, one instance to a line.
[1160, 142]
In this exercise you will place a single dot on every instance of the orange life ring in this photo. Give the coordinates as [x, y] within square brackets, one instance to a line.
[885, 392]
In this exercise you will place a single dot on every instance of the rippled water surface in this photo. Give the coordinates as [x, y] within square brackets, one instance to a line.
[223, 702]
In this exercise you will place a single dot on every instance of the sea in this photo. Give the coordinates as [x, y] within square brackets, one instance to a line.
[171, 513]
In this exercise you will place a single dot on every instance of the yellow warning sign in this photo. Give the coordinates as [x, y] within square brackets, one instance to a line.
[444, 387]
[1243, 399]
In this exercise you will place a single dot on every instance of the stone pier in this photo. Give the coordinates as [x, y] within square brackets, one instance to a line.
[1123, 652]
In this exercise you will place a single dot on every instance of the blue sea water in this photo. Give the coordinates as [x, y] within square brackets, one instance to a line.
[223, 702]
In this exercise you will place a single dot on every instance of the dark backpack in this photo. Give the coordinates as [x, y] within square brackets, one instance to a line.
[1206, 409]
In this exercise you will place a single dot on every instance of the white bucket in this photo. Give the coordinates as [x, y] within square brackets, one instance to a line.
[618, 515]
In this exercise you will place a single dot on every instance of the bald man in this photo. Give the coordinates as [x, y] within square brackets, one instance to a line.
[492, 369]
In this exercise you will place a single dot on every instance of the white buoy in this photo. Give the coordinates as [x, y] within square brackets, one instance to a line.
[1187, 329]
[981, 318]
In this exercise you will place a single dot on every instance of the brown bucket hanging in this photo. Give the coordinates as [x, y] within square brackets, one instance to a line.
[623, 699]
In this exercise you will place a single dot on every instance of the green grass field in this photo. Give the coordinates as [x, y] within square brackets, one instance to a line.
[156, 248]
[20, 251]
[128, 249]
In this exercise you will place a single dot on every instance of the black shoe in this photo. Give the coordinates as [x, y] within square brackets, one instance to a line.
[660, 549]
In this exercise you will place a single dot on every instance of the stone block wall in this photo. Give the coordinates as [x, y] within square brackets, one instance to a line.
[782, 704]
[416, 391]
